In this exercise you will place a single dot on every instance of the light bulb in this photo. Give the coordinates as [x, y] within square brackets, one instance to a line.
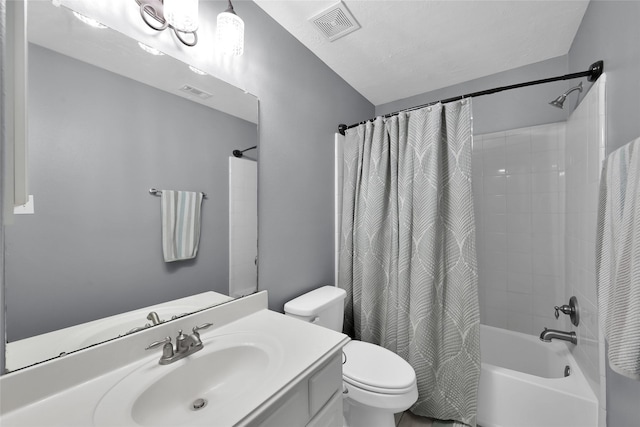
[182, 14]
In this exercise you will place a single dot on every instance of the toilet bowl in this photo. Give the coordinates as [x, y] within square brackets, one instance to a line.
[377, 383]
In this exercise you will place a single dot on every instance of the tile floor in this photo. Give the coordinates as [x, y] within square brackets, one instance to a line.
[407, 419]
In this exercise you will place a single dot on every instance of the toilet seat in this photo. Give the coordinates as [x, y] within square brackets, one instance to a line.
[376, 369]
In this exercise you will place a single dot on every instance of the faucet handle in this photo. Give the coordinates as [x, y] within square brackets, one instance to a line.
[197, 329]
[196, 333]
[155, 344]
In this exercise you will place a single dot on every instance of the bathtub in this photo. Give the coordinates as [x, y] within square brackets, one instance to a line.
[522, 383]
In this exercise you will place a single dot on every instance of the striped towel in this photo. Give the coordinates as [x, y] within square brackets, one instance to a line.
[618, 258]
[180, 224]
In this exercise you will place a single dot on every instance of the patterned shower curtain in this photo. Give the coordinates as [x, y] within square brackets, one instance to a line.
[407, 256]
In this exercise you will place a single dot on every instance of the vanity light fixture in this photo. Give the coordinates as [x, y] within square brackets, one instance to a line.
[149, 49]
[91, 22]
[179, 15]
[230, 32]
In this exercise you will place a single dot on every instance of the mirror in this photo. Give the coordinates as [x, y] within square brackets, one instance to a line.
[107, 122]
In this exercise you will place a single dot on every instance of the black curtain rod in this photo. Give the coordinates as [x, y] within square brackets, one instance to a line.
[238, 153]
[592, 74]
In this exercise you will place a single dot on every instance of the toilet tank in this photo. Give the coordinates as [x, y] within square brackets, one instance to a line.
[323, 306]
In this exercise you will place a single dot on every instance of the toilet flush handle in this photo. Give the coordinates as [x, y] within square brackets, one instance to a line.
[315, 319]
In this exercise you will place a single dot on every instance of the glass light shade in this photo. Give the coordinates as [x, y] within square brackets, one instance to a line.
[182, 14]
[230, 34]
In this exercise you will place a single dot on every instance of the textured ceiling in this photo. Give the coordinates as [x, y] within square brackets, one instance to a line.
[409, 47]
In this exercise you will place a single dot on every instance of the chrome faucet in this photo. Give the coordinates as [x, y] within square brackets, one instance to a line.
[185, 345]
[549, 334]
[155, 319]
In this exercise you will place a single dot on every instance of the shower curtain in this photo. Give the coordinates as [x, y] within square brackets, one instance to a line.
[407, 252]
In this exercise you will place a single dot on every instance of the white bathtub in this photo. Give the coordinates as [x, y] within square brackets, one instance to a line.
[522, 383]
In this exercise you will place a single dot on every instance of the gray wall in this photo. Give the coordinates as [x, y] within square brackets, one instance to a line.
[301, 103]
[98, 142]
[610, 31]
[509, 109]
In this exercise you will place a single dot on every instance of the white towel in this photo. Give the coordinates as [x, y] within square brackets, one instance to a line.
[618, 258]
[180, 224]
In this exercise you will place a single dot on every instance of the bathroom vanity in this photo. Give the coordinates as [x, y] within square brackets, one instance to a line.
[256, 368]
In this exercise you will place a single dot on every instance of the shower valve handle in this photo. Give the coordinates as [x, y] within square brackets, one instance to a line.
[566, 309]
[570, 309]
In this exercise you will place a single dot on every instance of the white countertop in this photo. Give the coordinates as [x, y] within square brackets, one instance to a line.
[302, 346]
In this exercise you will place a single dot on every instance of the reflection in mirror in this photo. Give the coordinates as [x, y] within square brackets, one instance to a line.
[107, 122]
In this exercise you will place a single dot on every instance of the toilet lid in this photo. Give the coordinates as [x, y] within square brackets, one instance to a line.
[376, 369]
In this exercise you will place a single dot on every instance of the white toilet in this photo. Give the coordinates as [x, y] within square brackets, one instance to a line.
[377, 383]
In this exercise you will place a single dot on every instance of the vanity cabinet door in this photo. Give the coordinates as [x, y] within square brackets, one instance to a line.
[292, 410]
[331, 414]
[324, 383]
[315, 400]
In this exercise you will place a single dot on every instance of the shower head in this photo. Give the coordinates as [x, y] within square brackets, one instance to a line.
[559, 101]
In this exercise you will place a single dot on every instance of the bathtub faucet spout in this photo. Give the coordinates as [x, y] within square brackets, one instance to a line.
[548, 334]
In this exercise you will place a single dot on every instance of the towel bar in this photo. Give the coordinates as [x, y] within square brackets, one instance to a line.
[156, 192]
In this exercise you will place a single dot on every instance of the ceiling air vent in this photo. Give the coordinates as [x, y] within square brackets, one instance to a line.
[195, 92]
[335, 22]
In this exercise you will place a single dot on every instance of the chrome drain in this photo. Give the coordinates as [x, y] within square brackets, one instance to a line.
[198, 404]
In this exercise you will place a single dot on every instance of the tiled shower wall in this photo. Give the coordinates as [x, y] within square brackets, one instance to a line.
[518, 190]
[585, 150]
[536, 242]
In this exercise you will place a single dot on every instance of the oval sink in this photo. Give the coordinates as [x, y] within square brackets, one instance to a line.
[194, 390]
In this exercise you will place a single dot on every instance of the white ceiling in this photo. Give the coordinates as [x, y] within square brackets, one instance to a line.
[405, 48]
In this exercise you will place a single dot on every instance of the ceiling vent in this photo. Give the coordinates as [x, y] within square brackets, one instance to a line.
[335, 22]
[195, 92]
